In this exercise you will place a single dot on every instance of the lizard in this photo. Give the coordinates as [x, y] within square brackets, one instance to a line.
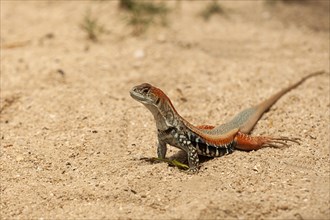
[208, 140]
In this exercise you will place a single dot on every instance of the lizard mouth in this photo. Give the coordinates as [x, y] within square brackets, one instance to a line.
[137, 96]
[141, 93]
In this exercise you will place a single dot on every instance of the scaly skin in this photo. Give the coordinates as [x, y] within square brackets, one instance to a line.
[207, 140]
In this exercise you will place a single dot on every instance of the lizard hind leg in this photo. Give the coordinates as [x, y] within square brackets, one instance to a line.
[247, 142]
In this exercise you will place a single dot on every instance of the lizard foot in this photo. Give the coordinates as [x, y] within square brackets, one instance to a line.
[192, 170]
[280, 142]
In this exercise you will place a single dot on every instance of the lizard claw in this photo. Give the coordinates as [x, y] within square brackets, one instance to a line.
[280, 142]
[151, 159]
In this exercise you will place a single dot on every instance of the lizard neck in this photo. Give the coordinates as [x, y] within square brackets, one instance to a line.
[165, 114]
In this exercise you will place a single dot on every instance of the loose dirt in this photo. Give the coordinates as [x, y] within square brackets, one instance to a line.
[72, 137]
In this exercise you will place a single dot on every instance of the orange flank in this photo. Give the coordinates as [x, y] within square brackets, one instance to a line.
[206, 127]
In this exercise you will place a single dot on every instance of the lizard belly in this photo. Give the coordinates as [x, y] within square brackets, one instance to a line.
[184, 141]
[210, 150]
[213, 151]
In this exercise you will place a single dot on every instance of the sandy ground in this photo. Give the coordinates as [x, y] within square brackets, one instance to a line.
[72, 137]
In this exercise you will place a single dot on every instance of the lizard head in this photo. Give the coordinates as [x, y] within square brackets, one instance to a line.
[157, 102]
[146, 94]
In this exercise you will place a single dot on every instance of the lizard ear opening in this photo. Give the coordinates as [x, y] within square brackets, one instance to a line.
[157, 101]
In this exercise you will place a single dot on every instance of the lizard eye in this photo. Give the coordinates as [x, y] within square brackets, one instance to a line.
[145, 90]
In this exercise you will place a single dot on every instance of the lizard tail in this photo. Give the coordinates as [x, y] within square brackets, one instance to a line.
[257, 111]
[265, 105]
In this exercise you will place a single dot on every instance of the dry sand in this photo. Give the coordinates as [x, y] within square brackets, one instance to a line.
[72, 137]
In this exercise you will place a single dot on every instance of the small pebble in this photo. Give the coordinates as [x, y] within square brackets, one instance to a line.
[139, 54]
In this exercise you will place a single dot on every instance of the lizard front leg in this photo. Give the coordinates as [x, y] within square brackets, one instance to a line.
[161, 153]
[161, 149]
